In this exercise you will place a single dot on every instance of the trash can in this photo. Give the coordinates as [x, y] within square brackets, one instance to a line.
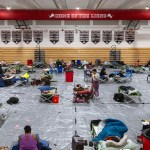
[69, 76]
[29, 62]
[146, 139]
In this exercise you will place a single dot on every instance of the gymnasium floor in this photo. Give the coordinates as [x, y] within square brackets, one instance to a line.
[56, 122]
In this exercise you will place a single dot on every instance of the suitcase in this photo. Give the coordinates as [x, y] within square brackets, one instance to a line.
[78, 143]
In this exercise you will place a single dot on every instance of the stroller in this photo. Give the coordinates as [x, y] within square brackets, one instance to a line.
[82, 95]
[130, 92]
[87, 75]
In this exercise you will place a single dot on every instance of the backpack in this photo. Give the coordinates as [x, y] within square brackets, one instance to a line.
[119, 97]
[13, 100]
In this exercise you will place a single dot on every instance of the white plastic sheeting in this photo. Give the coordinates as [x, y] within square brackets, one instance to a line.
[56, 122]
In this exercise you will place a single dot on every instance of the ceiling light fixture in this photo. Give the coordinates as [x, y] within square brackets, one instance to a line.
[147, 7]
[77, 8]
[8, 7]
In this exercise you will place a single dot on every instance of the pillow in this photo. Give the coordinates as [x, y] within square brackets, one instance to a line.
[100, 126]
[45, 88]
[121, 143]
[84, 92]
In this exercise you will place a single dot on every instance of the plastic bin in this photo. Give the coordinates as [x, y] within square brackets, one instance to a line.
[29, 62]
[69, 76]
[146, 139]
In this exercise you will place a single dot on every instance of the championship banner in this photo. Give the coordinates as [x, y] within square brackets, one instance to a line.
[74, 14]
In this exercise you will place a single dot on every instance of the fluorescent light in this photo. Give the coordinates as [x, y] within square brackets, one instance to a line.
[8, 7]
[147, 7]
[77, 7]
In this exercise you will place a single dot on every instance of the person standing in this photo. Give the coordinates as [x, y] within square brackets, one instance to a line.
[95, 83]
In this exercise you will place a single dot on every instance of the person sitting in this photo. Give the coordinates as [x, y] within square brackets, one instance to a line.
[121, 74]
[1, 70]
[3, 63]
[137, 64]
[1, 77]
[28, 140]
[103, 74]
[148, 64]
[113, 128]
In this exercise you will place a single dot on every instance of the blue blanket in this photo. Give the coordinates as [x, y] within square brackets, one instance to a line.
[113, 127]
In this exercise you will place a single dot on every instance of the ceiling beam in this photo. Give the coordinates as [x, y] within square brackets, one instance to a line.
[94, 4]
[26, 5]
[56, 4]
[100, 2]
[128, 4]
[61, 4]
[36, 3]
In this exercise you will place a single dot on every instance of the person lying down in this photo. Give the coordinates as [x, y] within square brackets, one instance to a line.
[112, 128]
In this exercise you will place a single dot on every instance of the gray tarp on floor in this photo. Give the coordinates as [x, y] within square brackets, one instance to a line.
[56, 122]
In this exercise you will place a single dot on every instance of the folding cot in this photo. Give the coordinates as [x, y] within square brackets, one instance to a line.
[130, 92]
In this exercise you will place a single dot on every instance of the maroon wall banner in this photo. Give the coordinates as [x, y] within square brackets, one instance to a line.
[74, 14]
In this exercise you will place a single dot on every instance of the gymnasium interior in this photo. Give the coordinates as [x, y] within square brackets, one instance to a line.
[52, 55]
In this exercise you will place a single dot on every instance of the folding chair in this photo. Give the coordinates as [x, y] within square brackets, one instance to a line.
[87, 75]
[127, 78]
[103, 80]
[47, 95]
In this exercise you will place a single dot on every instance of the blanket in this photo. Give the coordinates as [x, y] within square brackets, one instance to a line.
[113, 127]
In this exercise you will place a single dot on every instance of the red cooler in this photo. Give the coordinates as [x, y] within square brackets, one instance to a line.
[29, 62]
[55, 99]
[146, 139]
[69, 76]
